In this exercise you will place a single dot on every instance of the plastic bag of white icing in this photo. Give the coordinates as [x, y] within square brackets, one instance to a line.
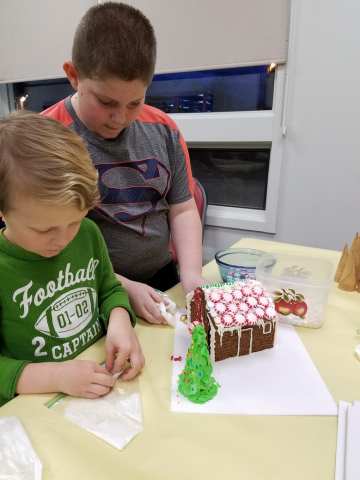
[115, 417]
[18, 461]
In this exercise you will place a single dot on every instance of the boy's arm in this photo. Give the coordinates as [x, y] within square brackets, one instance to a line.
[143, 300]
[79, 378]
[186, 235]
[74, 377]
[10, 371]
[119, 320]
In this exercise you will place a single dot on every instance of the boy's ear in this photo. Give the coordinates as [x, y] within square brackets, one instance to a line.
[71, 73]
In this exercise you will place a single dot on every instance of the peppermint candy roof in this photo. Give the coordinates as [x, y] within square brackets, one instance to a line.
[248, 306]
[239, 303]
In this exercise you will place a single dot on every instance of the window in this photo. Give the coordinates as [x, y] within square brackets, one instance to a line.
[231, 122]
[40, 95]
[223, 90]
[232, 178]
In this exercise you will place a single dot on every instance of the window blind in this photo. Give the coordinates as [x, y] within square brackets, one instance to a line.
[208, 34]
[36, 37]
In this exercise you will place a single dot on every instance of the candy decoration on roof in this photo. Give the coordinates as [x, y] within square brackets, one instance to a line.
[257, 290]
[251, 318]
[227, 320]
[246, 291]
[243, 307]
[263, 302]
[232, 308]
[227, 297]
[215, 297]
[237, 294]
[251, 302]
[259, 312]
[239, 319]
[220, 308]
[270, 313]
[193, 325]
[198, 310]
[195, 381]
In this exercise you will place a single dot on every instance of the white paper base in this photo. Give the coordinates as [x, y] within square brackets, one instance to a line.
[352, 457]
[340, 445]
[279, 381]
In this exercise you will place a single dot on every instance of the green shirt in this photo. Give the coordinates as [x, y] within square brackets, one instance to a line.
[51, 309]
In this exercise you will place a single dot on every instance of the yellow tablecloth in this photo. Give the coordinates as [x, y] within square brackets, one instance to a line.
[180, 446]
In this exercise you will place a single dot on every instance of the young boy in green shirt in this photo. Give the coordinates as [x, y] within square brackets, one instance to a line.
[58, 290]
[145, 179]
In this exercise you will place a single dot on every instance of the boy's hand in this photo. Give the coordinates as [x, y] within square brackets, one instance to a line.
[190, 281]
[82, 378]
[121, 339]
[143, 301]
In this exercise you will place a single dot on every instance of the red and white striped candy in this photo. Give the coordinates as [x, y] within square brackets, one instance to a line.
[243, 308]
[251, 301]
[219, 308]
[257, 290]
[259, 312]
[251, 318]
[227, 297]
[227, 320]
[263, 302]
[237, 294]
[193, 325]
[215, 297]
[246, 291]
[232, 308]
[270, 313]
[239, 319]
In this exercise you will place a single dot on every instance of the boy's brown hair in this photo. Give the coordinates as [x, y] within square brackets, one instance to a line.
[43, 159]
[115, 39]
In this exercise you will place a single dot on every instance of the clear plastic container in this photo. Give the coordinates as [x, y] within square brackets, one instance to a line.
[298, 285]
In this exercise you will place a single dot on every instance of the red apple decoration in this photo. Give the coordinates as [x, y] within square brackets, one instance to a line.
[288, 301]
[283, 307]
[300, 309]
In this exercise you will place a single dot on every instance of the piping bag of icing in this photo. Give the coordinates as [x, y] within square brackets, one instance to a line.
[168, 311]
[115, 417]
[17, 457]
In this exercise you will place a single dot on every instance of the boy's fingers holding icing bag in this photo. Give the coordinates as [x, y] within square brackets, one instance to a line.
[120, 361]
[137, 362]
[157, 297]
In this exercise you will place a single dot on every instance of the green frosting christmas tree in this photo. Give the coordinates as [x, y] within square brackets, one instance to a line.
[195, 381]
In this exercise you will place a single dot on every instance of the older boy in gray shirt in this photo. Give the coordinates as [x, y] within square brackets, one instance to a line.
[145, 179]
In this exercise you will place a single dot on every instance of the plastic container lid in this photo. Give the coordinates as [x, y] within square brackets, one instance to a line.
[296, 269]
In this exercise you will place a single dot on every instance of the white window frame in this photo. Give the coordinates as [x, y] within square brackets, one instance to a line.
[260, 129]
[4, 102]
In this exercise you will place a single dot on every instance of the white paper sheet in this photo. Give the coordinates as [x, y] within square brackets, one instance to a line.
[340, 444]
[279, 381]
[352, 454]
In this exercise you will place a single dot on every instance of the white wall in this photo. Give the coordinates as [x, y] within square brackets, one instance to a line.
[319, 203]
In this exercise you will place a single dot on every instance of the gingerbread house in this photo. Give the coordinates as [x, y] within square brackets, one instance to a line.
[239, 318]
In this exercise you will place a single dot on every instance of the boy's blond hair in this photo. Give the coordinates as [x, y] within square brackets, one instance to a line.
[115, 39]
[42, 159]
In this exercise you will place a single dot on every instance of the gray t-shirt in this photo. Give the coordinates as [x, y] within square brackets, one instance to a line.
[142, 171]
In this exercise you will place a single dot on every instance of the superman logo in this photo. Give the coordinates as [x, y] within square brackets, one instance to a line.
[131, 190]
